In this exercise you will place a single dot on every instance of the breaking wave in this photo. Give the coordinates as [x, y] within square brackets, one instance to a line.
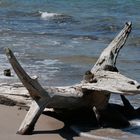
[46, 15]
[56, 17]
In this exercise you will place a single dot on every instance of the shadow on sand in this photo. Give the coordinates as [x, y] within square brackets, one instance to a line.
[86, 121]
[84, 117]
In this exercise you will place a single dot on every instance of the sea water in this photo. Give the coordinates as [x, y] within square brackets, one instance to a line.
[58, 40]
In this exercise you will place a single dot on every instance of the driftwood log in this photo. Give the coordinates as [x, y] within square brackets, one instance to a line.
[92, 92]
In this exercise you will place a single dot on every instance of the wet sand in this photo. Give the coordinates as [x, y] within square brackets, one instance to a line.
[46, 127]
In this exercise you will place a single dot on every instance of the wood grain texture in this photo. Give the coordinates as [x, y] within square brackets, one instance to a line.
[96, 93]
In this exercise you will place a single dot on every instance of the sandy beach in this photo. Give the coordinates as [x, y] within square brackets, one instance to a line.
[46, 127]
[52, 129]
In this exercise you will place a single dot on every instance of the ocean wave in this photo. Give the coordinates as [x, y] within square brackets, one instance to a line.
[48, 62]
[17, 13]
[46, 15]
[3, 62]
[134, 127]
[85, 37]
[56, 17]
[42, 15]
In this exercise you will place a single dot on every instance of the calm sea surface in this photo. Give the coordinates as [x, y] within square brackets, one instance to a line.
[59, 40]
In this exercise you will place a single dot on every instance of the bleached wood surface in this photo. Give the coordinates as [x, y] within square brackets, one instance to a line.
[105, 80]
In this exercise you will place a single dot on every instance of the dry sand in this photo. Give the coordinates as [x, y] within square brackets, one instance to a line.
[46, 127]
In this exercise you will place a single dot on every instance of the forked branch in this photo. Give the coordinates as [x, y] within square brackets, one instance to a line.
[109, 54]
[95, 93]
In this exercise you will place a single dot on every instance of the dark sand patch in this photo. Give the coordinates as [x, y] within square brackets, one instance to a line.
[7, 101]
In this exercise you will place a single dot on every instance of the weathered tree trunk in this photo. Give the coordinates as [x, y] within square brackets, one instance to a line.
[32, 116]
[104, 79]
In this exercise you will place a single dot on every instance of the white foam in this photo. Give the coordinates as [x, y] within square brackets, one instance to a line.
[46, 15]
[48, 62]
[135, 126]
[88, 135]
[135, 122]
